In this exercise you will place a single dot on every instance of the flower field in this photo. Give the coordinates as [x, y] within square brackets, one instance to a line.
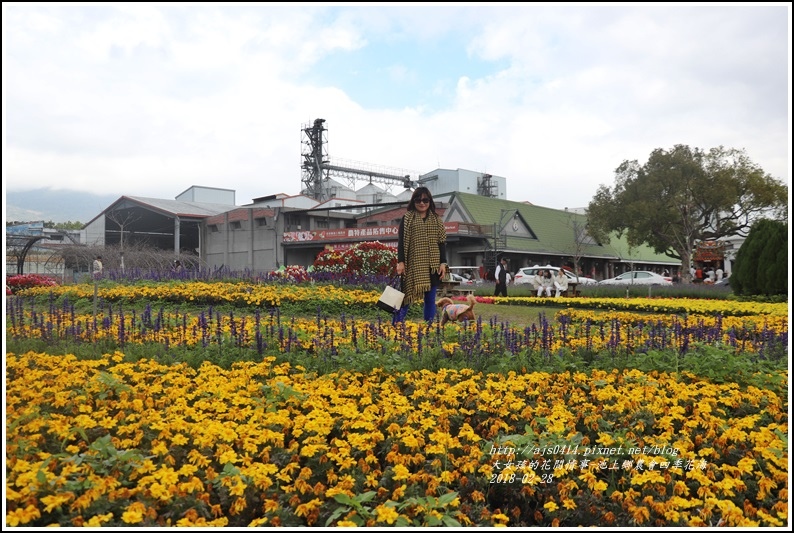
[198, 404]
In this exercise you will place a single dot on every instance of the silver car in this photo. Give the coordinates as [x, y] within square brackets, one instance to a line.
[638, 277]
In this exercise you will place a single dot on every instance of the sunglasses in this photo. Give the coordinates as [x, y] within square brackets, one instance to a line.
[422, 201]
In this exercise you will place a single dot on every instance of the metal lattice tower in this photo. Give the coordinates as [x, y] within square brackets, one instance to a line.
[315, 157]
[486, 186]
[317, 168]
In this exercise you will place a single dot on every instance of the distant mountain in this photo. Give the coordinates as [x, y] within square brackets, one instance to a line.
[57, 206]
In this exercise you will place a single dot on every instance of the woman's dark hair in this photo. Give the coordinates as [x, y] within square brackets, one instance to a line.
[418, 193]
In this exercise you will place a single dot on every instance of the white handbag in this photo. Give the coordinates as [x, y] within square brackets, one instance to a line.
[391, 300]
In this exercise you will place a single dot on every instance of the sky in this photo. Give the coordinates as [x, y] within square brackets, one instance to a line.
[148, 100]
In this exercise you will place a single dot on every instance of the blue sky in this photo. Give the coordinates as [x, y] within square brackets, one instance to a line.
[150, 99]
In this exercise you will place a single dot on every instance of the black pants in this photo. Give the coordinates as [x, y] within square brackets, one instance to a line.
[500, 290]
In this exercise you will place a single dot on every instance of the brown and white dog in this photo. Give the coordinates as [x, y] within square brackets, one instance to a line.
[454, 312]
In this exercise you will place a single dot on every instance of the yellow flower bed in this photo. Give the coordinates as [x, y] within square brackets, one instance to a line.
[105, 442]
[772, 322]
[248, 294]
[182, 329]
[692, 306]
[112, 443]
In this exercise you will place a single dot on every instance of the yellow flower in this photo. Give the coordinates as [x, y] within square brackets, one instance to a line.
[179, 440]
[108, 422]
[477, 496]
[386, 514]
[550, 506]
[98, 520]
[55, 501]
[132, 517]
[167, 475]
[399, 492]
[503, 519]
[196, 457]
[229, 456]
[746, 465]
[305, 509]
[238, 489]
[640, 514]
[160, 448]
[410, 441]
[771, 520]
[271, 506]
[400, 473]
[22, 516]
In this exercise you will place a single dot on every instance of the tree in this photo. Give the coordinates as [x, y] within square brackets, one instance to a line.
[683, 196]
[761, 265]
[581, 238]
[122, 218]
[64, 225]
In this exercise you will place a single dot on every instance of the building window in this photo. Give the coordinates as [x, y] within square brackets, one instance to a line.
[321, 223]
[214, 228]
[236, 225]
[261, 222]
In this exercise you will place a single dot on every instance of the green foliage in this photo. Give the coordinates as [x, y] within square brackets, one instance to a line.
[64, 225]
[761, 266]
[78, 473]
[673, 195]
[426, 508]
[355, 507]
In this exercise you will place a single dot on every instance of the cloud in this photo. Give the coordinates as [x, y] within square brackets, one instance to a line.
[150, 99]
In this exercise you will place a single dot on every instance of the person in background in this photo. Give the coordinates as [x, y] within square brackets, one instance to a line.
[501, 278]
[421, 254]
[560, 283]
[698, 275]
[720, 273]
[546, 283]
[537, 281]
[177, 266]
[97, 267]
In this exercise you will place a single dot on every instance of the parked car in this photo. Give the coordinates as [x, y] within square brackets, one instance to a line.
[638, 277]
[526, 275]
[724, 282]
[461, 279]
[470, 273]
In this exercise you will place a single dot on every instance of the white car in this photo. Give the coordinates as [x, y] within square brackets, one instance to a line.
[470, 273]
[461, 279]
[526, 275]
[638, 277]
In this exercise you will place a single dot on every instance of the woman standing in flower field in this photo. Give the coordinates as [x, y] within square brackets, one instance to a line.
[421, 254]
